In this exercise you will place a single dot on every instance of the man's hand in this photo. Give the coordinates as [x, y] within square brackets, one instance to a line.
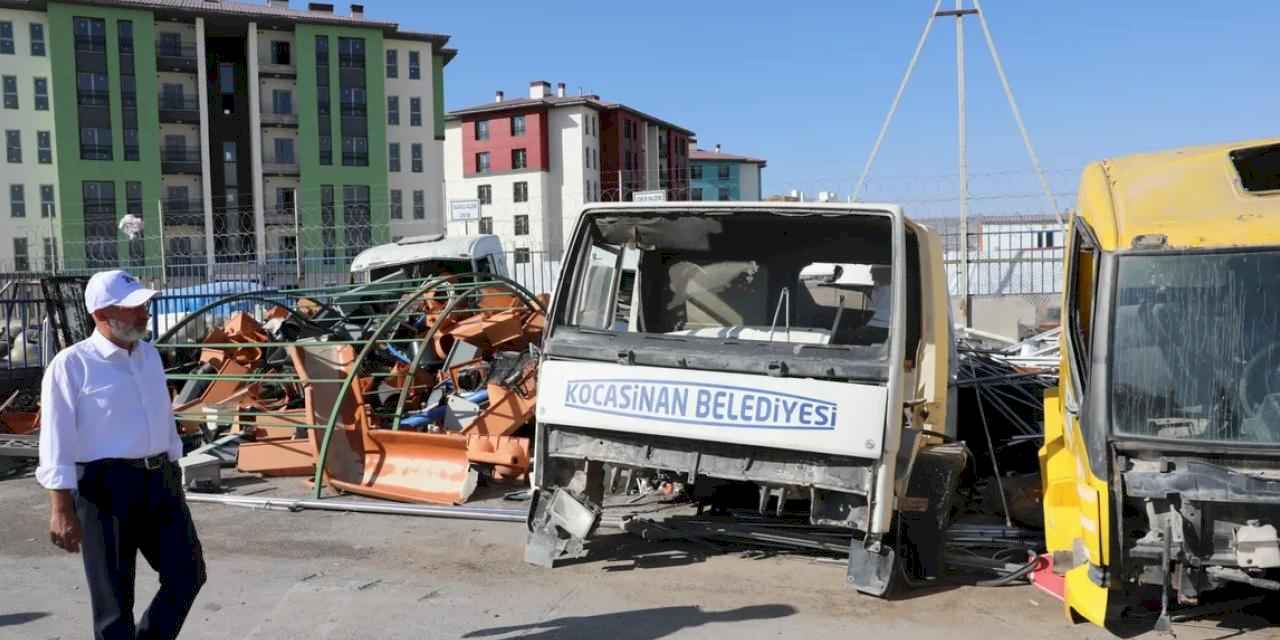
[64, 524]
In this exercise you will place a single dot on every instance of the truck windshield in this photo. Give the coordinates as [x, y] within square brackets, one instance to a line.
[1196, 347]
[815, 279]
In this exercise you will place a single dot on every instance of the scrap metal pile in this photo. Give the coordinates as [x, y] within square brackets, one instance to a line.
[1001, 386]
[396, 389]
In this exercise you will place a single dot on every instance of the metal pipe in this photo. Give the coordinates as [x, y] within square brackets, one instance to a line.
[490, 514]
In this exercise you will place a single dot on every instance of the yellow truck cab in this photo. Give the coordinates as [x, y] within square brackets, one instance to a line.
[1161, 458]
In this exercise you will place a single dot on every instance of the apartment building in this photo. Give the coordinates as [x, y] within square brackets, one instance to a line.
[716, 175]
[29, 231]
[233, 132]
[532, 163]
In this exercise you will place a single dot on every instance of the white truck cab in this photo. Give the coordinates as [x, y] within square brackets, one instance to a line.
[802, 349]
[430, 255]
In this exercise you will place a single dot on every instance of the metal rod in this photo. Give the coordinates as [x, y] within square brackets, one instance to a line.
[421, 510]
[893, 107]
[963, 151]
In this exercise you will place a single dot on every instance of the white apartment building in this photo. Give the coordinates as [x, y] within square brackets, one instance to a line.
[29, 232]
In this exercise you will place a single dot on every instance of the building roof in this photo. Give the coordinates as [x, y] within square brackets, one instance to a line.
[703, 154]
[556, 101]
[261, 11]
[1193, 196]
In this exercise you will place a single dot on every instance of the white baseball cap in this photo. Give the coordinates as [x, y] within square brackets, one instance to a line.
[115, 289]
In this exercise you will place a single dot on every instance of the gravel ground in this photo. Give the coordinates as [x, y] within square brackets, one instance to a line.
[275, 575]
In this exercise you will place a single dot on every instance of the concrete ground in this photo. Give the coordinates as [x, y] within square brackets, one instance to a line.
[276, 575]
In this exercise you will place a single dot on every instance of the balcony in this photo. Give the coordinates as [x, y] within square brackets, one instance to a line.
[272, 118]
[279, 166]
[183, 213]
[179, 108]
[180, 160]
[276, 70]
[92, 98]
[181, 58]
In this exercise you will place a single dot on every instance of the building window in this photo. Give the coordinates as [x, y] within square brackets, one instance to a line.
[355, 151]
[419, 204]
[284, 151]
[11, 92]
[6, 37]
[393, 110]
[17, 201]
[351, 53]
[482, 129]
[522, 256]
[415, 66]
[520, 192]
[586, 153]
[44, 147]
[21, 259]
[125, 35]
[47, 208]
[322, 51]
[724, 194]
[724, 172]
[695, 194]
[393, 157]
[397, 204]
[415, 112]
[486, 225]
[328, 224]
[484, 193]
[482, 162]
[517, 125]
[280, 53]
[91, 35]
[695, 172]
[282, 102]
[518, 159]
[356, 219]
[50, 255]
[326, 150]
[42, 94]
[131, 148]
[415, 154]
[175, 203]
[95, 143]
[37, 39]
[522, 225]
[13, 146]
[393, 63]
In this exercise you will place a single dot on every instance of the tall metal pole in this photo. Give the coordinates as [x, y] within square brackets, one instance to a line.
[963, 150]
[297, 237]
[164, 269]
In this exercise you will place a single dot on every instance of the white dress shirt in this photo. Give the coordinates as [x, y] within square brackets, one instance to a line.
[100, 401]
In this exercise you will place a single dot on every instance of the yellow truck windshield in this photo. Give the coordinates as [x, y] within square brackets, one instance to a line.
[1196, 347]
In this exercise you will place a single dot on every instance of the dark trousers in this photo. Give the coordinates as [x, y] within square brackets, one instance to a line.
[125, 510]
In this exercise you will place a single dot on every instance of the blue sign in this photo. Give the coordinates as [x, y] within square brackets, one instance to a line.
[711, 405]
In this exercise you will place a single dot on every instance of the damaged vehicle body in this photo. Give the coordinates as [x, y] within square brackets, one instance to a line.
[801, 348]
[1162, 448]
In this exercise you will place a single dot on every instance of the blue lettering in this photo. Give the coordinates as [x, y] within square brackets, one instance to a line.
[721, 399]
[596, 392]
[625, 393]
[646, 399]
[663, 405]
[680, 401]
[611, 396]
[788, 409]
[571, 393]
[747, 408]
[730, 407]
[703, 403]
[765, 409]
[806, 410]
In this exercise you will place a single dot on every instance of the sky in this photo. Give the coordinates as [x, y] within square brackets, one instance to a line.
[806, 85]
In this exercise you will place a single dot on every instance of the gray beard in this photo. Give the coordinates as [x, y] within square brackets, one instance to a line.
[126, 332]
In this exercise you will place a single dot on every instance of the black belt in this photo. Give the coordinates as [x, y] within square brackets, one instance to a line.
[149, 463]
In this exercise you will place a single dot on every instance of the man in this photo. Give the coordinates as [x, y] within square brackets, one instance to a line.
[108, 446]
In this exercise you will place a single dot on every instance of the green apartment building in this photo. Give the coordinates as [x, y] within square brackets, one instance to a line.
[213, 135]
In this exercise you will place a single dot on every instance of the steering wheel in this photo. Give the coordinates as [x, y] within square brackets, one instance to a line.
[1260, 378]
